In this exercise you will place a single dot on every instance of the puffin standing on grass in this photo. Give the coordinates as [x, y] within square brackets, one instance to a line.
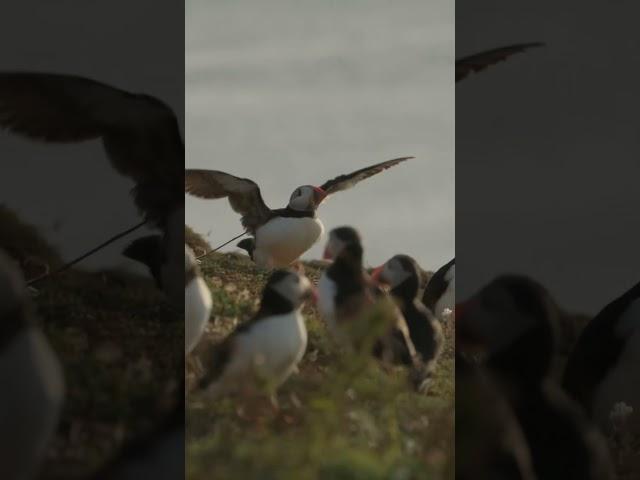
[477, 62]
[265, 350]
[604, 368]
[150, 251]
[401, 274]
[31, 381]
[346, 296]
[514, 321]
[279, 237]
[440, 293]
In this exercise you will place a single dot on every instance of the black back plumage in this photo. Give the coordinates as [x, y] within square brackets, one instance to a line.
[426, 339]
[597, 350]
[436, 286]
[346, 273]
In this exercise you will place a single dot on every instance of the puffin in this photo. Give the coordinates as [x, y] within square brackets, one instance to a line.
[440, 293]
[402, 276]
[140, 133]
[490, 443]
[158, 454]
[33, 388]
[151, 251]
[477, 62]
[512, 322]
[278, 237]
[346, 294]
[262, 352]
[604, 367]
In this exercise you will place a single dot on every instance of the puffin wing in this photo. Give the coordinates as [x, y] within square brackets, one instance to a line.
[65, 108]
[343, 182]
[479, 61]
[243, 194]
[436, 286]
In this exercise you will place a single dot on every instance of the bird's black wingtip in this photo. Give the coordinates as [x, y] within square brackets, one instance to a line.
[248, 244]
[142, 248]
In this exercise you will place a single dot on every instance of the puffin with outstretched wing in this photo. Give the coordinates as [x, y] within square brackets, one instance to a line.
[479, 61]
[281, 236]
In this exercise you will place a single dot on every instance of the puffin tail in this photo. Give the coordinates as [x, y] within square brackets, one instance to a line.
[248, 244]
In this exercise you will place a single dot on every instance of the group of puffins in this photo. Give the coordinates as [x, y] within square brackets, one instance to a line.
[533, 403]
[276, 338]
[267, 348]
[524, 407]
[516, 418]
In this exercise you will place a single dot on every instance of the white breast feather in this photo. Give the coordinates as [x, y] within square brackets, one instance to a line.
[327, 290]
[283, 240]
[37, 394]
[197, 306]
[272, 348]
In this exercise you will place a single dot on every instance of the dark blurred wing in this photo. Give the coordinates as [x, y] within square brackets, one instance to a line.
[243, 194]
[67, 108]
[141, 134]
[344, 182]
[478, 62]
[217, 358]
[436, 286]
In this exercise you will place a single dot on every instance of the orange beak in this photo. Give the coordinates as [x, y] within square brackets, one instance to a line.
[376, 273]
[320, 195]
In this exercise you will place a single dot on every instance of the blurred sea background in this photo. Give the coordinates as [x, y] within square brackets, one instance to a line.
[291, 92]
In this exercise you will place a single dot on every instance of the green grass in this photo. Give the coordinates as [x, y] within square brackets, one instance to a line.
[339, 418]
[120, 347]
[122, 354]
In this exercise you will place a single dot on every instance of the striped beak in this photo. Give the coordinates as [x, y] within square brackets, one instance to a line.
[376, 275]
[319, 195]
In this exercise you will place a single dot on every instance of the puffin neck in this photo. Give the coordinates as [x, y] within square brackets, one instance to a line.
[290, 212]
[527, 360]
[274, 304]
[407, 290]
[347, 267]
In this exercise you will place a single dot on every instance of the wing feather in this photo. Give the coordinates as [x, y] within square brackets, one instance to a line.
[141, 134]
[67, 108]
[243, 194]
[479, 61]
[344, 182]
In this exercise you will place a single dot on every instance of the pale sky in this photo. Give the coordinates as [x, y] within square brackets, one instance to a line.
[547, 162]
[72, 185]
[292, 93]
